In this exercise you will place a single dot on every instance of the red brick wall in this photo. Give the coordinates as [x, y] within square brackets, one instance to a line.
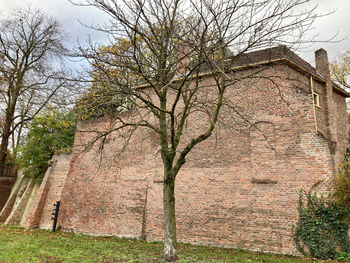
[50, 191]
[6, 184]
[234, 190]
[321, 115]
[341, 117]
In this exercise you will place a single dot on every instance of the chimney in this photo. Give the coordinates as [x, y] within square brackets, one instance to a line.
[183, 59]
[322, 66]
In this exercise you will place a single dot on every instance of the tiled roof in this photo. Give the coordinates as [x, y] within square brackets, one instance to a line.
[280, 53]
[273, 54]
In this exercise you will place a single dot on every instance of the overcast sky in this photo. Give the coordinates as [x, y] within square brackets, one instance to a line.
[69, 16]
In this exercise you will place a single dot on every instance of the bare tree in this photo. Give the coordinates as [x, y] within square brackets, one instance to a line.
[31, 53]
[179, 56]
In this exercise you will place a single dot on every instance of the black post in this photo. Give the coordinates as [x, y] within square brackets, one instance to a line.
[55, 214]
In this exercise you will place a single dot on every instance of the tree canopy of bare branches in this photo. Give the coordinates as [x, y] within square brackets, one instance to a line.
[31, 55]
[170, 45]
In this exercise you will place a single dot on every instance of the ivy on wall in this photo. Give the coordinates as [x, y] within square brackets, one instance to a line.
[321, 231]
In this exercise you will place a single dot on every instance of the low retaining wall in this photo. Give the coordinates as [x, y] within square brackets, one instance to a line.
[30, 202]
[50, 191]
[6, 184]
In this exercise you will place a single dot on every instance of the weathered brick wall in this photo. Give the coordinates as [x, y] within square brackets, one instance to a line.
[56, 181]
[27, 187]
[321, 115]
[50, 191]
[236, 191]
[7, 181]
[237, 188]
[341, 117]
[15, 191]
[103, 197]
[6, 184]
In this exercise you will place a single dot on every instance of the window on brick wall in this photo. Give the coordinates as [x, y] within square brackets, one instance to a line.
[316, 98]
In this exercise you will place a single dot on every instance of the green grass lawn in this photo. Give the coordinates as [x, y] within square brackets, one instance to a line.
[22, 245]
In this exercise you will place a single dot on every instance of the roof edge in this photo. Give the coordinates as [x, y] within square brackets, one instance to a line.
[283, 59]
[296, 66]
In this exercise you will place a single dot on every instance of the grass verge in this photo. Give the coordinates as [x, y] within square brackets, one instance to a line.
[23, 245]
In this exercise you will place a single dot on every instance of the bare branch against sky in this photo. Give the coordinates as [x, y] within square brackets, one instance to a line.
[72, 17]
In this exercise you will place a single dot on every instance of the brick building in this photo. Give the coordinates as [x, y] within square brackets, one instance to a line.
[239, 188]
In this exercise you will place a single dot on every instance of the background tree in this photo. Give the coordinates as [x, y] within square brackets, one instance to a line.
[103, 97]
[31, 53]
[340, 69]
[51, 132]
[171, 45]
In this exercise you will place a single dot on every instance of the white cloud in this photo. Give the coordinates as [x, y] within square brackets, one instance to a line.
[69, 15]
[328, 26]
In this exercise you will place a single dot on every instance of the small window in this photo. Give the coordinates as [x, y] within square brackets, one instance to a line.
[316, 99]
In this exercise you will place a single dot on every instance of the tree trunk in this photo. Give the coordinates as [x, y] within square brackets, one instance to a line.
[3, 147]
[6, 133]
[169, 220]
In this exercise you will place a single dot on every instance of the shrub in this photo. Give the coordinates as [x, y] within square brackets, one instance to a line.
[321, 230]
[343, 256]
[52, 132]
[342, 184]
